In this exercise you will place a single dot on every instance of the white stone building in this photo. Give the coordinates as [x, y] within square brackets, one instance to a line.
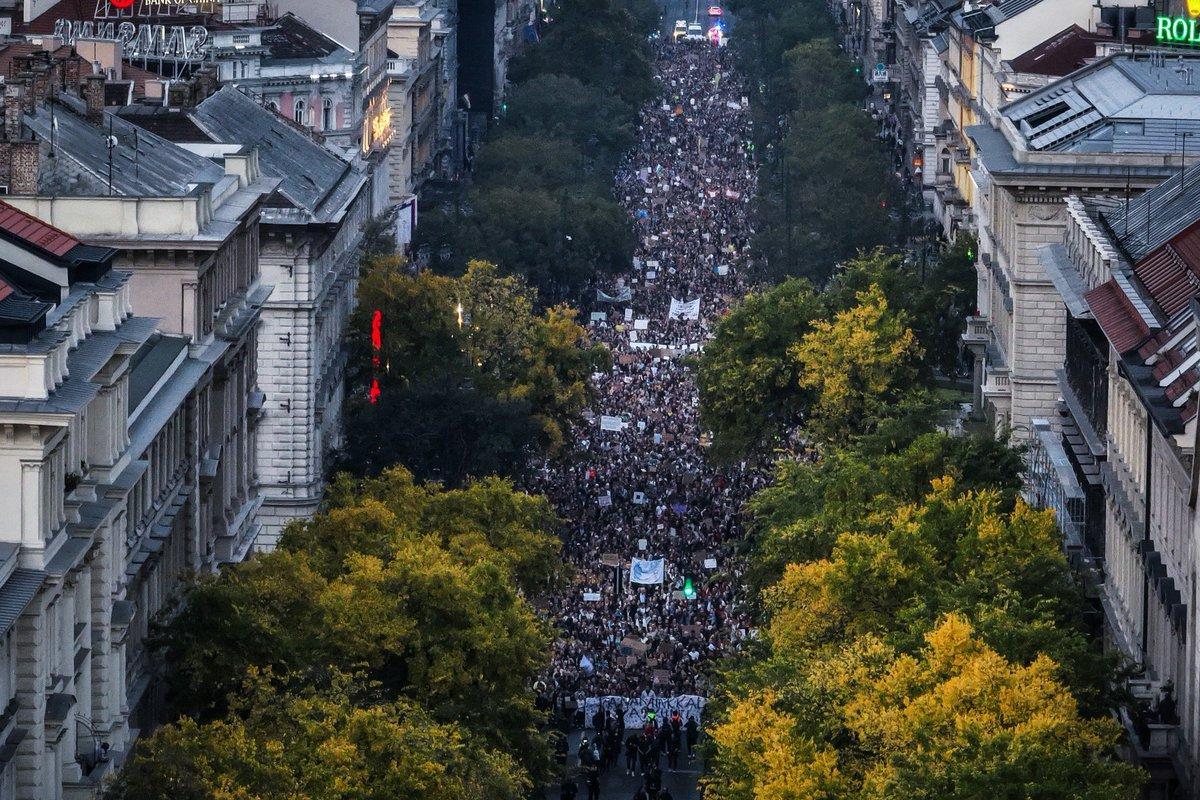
[310, 246]
[106, 460]
[1123, 437]
[1103, 129]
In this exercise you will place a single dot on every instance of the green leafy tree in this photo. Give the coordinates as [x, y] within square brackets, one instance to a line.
[804, 216]
[535, 162]
[420, 589]
[798, 518]
[596, 42]
[748, 377]
[555, 241]
[471, 378]
[562, 107]
[953, 720]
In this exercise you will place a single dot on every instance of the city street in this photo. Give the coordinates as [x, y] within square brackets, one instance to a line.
[639, 484]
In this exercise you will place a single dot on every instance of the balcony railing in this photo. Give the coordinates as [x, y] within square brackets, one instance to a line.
[995, 381]
[977, 331]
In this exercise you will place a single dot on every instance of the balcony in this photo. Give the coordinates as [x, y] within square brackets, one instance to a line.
[977, 332]
[996, 381]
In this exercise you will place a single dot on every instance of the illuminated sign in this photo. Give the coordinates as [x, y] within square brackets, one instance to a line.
[1178, 30]
[140, 41]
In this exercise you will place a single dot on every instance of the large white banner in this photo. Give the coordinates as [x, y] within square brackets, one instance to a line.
[682, 310]
[646, 571]
[608, 423]
[688, 705]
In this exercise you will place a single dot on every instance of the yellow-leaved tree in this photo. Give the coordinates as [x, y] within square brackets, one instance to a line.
[955, 721]
[959, 722]
[856, 364]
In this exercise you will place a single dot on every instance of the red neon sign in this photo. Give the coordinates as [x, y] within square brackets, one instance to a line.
[121, 3]
[376, 345]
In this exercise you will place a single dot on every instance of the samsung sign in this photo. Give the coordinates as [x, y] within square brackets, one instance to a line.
[1179, 30]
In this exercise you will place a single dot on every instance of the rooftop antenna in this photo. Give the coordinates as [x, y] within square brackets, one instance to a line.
[1127, 188]
[1183, 137]
[112, 145]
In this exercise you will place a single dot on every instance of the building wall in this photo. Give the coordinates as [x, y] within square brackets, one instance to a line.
[301, 366]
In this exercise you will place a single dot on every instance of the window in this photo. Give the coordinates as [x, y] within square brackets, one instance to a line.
[1128, 128]
[298, 111]
[1039, 118]
[327, 123]
[944, 162]
[273, 105]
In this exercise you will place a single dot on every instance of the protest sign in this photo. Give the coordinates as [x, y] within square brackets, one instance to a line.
[682, 310]
[647, 572]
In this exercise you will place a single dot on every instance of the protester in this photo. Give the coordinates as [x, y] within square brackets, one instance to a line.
[647, 491]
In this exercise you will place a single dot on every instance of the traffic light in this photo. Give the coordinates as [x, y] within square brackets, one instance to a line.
[858, 69]
[689, 590]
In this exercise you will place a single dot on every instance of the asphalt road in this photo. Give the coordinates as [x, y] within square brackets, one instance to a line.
[616, 784]
[692, 11]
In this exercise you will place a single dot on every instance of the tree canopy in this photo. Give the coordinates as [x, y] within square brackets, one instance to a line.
[455, 400]
[318, 746]
[418, 588]
[748, 376]
[541, 204]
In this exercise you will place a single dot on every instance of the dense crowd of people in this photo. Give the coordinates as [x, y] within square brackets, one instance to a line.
[637, 483]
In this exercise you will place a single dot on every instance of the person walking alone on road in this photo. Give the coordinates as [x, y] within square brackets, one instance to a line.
[631, 754]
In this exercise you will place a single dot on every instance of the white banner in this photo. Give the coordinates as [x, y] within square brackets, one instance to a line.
[608, 423]
[682, 310]
[688, 706]
[646, 572]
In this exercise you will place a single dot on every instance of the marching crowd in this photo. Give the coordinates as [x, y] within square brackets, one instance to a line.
[637, 484]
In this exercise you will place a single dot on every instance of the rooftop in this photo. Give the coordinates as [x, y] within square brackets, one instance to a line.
[1061, 54]
[293, 39]
[1122, 103]
[1148, 309]
[316, 180]
[143, 163]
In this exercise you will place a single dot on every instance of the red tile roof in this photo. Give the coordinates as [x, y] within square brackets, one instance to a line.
[1154, 343]
[1118, 318]
[1187, 245]
[1169, 361]
[1061, 54]
[35, 232]
[1167, 278]
[1182, 384]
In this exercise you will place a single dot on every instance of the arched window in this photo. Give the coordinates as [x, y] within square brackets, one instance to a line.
[298, 112]
[273, 105]
[944, 162]
[327, 123]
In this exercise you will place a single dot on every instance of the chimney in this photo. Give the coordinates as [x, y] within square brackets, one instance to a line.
[12, 112]
[93, 96]
[23, 174]
[179, 95]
